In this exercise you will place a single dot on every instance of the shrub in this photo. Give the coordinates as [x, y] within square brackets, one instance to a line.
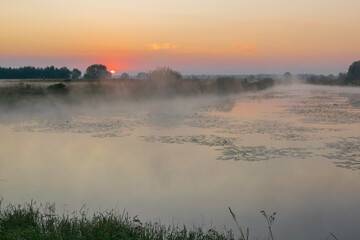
[58, 88]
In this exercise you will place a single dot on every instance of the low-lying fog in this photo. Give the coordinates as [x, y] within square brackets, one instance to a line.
[184, 160]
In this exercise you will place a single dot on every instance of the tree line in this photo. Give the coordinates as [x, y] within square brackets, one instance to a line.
[29, 72]
[99, 71]
[352, 77]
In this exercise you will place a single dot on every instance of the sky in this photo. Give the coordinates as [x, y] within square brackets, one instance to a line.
[193, 37]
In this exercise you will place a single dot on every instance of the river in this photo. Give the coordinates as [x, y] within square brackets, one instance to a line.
[293, 150]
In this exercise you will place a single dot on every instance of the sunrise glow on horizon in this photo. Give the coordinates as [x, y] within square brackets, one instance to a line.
[191, 36]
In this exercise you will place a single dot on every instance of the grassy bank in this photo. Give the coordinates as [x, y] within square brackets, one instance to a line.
[21, 91]
[31, 221]
[125, 89]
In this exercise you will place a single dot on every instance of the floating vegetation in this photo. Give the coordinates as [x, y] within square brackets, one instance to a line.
[98, 127]
[346, 153]
[326, 113]
[225, 105]
[354, 100]
[211, 140]
[230, 149]
[261, 153]
[275, 129]
[317, 109]
[207, 121]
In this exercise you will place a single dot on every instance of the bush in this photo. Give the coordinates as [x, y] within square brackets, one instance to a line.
[164, 77]
[225, 84]
[58, 88]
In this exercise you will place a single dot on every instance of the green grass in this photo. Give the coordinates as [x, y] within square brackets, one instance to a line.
[30, 221]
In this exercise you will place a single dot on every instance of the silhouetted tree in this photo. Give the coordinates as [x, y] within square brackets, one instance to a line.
[326, 80]
[342, 77]
[251, 79]
[63, 73]
[124, 76]
[32, 72]
[353, 74]
[164, 77]
[97, 71]
[49, 72]
[141, 75]
[75, 74]
[265, 83]
[225, 84]
[287, 76]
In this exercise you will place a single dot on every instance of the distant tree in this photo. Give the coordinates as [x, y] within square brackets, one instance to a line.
[125, 76]
[225, 84]
[353, 74]
[52, 72]
[326, 80]
[251, 79]
[63, 73]
[32, 72]
[288, 76]
[265, 83]
[97, 71]
[141, 75]
[342, 77]
[164, 77]
[75, 74]
[164, 72]
[49, 72]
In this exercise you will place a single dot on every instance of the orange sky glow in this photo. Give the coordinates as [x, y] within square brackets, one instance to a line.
[231, 36]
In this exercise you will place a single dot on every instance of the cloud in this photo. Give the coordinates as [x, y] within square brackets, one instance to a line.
[244, 48]
[162, 46]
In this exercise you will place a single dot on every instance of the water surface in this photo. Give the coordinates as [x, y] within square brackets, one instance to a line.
[294, 150]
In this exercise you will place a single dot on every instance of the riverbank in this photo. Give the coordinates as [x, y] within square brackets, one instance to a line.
[12, 92]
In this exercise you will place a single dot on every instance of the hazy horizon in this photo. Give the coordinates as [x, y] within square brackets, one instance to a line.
[201, 69]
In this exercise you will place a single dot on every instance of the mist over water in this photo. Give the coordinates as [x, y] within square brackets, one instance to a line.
[183, 160]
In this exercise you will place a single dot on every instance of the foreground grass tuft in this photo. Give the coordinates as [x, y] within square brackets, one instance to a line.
[30, 221]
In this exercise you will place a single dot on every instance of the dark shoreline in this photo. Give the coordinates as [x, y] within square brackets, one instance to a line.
[125, 89]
